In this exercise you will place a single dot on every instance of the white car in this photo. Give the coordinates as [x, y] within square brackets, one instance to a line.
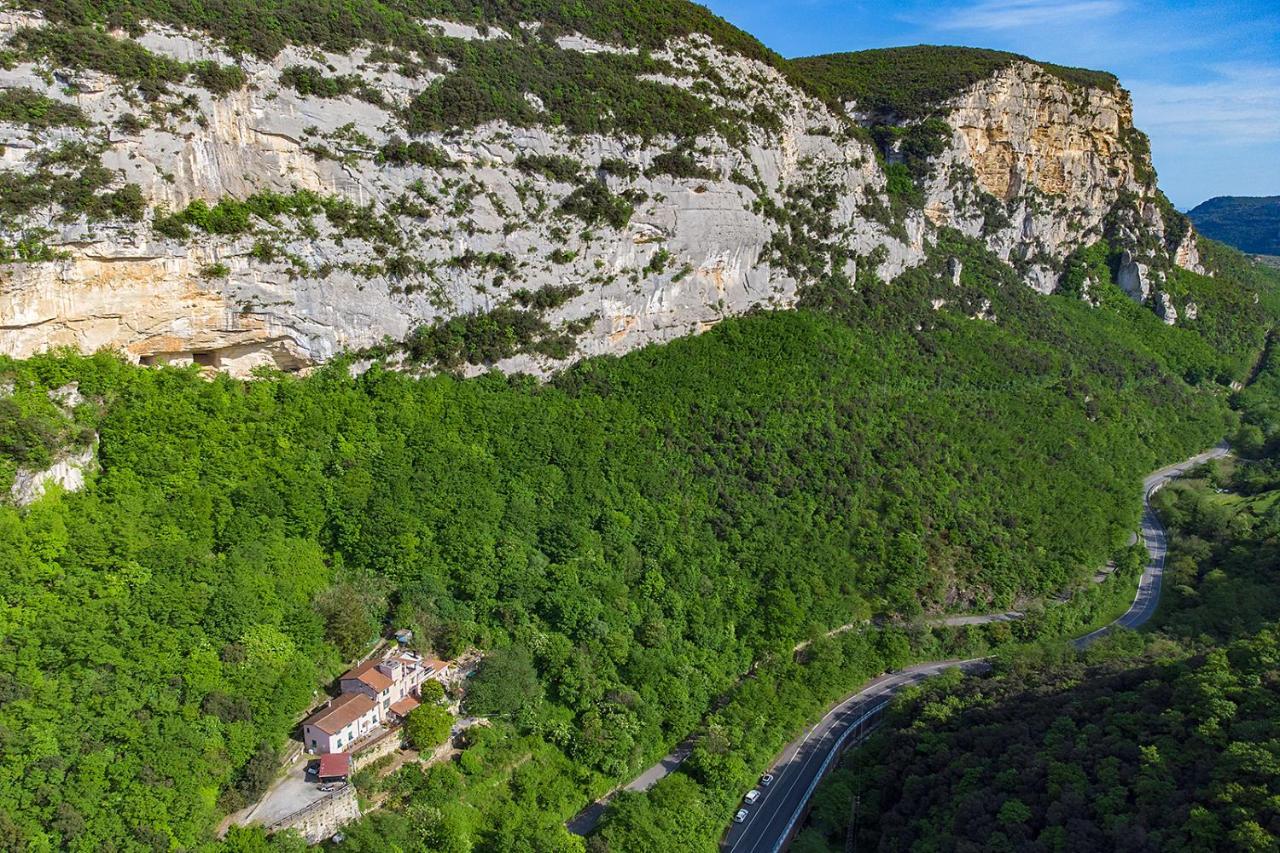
[740, 816]
[752, 796]
[766, 780]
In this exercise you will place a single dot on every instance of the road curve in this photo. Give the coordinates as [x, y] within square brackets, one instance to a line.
[804, 761]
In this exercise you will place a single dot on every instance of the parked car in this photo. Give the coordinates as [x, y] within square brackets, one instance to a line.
[766, 780]
[313, 767]
[752, 796]
[740, 816]
[331, 786]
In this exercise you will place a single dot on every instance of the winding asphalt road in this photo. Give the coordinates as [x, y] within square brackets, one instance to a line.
[774, 816]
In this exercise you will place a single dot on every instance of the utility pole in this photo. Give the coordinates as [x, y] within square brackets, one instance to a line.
[851, 834]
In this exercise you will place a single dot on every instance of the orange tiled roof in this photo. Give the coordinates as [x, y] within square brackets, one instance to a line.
[340, 713]
[369, 674]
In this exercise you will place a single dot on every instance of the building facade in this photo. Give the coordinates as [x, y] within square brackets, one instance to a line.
[340, 723]
[377, 692]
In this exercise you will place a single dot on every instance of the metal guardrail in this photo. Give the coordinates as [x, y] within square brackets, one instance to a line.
[855, 726]
[307, 809]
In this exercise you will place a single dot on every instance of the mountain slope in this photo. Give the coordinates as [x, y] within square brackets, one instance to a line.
[1250, 224]
[646, 527]
[386, 198]
[242, 189]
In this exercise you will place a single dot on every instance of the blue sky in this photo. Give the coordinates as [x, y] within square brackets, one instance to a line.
[1205, 76]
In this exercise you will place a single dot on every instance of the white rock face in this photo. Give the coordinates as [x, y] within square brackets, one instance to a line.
[68, 473]
[1035, 166]
[1187, 254]
[468, 237]
[1134, 277]
[1165, 308]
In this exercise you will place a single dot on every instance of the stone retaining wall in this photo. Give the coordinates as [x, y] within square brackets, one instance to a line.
[323, 818]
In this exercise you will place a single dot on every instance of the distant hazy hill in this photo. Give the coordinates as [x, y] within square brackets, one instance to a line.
[1249, 224]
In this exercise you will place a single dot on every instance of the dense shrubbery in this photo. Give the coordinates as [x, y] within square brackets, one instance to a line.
[913, 82]
[585, 93]
[231, 216]
[553, 167]
[486, 338]
[680, 163]
[1145, 756]
[31, 247]
[72, 181]
[306, 80]
[82, 47]
[25, 106]
[397, 152]
[264, 27]
[1135, 754]
[645, 528]
[594, 204]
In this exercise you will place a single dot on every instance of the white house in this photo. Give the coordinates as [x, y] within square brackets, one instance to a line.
[387, 681]
[340, 723]
[378, 691]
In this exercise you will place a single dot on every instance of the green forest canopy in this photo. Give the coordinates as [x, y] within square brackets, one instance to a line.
[643, 529]
[1162, 743]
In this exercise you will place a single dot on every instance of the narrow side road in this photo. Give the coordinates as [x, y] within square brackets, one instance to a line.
[797, 771]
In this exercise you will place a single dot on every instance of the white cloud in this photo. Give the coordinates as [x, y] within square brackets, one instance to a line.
[1018, 14]
[1239, 104]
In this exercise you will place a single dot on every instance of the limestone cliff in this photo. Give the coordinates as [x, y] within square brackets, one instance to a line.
[407, 227]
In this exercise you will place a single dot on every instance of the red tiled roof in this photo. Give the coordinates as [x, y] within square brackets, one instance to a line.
[334, 764]
[335, 716]
[368, 673]
[404, 706]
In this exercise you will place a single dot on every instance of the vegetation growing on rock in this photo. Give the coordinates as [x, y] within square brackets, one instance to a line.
[911, 82]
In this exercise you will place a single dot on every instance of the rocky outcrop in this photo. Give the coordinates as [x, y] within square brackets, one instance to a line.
[67, 473]
[1036, 166]
[1134, 277]
[1033, 167]
[1187, 252]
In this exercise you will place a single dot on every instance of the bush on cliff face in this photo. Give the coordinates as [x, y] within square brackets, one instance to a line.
[25, 106]
[82, 47]
[69, 182]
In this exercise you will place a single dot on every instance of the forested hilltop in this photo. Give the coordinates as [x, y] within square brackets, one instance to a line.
[1249, 224]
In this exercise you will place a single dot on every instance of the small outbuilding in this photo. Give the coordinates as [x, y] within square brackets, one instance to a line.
[335, 767]
[401, 709]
